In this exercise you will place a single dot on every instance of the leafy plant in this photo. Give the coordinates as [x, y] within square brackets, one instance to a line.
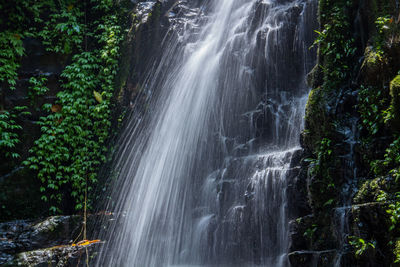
[394, 211]
[397, 251]
[64, 31]
[9, 131]
[309, 233]
[373, 109]
[37, 87]
[72, 146]
[360, 245]
[336, 46]
[11, 49]
[324, 151]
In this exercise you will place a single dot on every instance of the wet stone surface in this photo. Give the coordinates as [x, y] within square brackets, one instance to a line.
[40, 242]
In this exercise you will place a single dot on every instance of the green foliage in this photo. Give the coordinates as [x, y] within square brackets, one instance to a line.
[376, 112]
[360, 245]
[390, 163]
[309, 233]
[323, 154]
[392, 203]
[336, 46]
[10, 131]
[372, 107]
[63, 32]
[37, 87]
[397, 251]
[321, 168]
[377, 107]
[394, 211]
[393, 112]
[15, 19]
[387, 30]
[72, 146]
[383, 24]
[11, 50]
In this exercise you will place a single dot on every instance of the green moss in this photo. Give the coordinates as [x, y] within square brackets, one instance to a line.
[396, 251]
[372, 58]
[374, 66]
[371, 190]
[395, 101]
[317, 120]
[315, 77]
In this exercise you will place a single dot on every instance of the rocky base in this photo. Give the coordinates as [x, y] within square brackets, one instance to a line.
[46, 242]
[55, 256]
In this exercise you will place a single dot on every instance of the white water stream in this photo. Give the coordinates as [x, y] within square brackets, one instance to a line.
[202, 179]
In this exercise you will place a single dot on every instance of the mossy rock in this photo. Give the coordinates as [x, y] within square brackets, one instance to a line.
[370, 190]
[56, 256]
[370, 222]
[315, 77]
[395, 102]
[374, 67]
[316, 119]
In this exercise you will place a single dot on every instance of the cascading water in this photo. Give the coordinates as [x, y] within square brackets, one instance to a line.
[202, 177]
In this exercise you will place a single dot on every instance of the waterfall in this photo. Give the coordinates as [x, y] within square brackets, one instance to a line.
[201, 179]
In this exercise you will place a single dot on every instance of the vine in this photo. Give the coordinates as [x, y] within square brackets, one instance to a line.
[10, 130]
[76, 127]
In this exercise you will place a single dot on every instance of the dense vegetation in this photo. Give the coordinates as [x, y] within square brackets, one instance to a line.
[352, 116]
[86, 36]
[352, 125]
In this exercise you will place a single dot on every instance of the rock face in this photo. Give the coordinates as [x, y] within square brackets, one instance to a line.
[57, 256]
[151, 22]
[347, 141]
[40, 242]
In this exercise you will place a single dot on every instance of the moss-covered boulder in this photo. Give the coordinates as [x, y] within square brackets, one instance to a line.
[22, 236]
[316, 119]
[374, 67]
[395, 102]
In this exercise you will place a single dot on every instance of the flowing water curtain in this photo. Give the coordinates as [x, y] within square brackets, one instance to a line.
[202, 180]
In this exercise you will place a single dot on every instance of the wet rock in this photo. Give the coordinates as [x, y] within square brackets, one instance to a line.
[323, 258]
[297, 187]
[18, 237]
[317, 120]
[55, 256]
[54, 230]
[297, 230]
[370, 190]
[373, 67]
[315, 77]
[395, 103]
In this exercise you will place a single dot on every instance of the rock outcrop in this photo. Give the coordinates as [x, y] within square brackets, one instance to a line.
[44, 242]
[349, 139]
